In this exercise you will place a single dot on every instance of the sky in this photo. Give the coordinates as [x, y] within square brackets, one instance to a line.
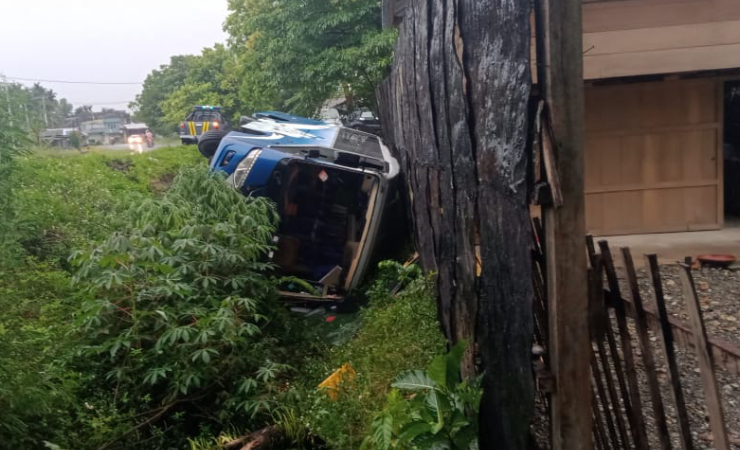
[102, 41]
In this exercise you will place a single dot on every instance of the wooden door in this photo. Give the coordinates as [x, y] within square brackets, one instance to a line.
[653, 157]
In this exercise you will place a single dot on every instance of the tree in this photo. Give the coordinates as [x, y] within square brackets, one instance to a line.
[181, 101]
[213, 78]
[455, 108]
[45, 103]
[158, 86]
[74, 140]
[65, 109]
[34, 108]
[283, 55]
[83, 114]
[313, 50]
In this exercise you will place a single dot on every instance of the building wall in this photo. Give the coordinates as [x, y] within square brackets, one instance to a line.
[653, 150]
[640, 37]
[653, 157]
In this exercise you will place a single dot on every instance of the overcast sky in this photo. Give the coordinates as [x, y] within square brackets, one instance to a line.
[102, 40]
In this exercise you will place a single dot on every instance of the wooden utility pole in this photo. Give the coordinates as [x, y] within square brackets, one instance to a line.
[560, 78]
[455, 110]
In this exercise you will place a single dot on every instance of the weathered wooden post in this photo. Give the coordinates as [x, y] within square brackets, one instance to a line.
[560, 78]
[455, 110]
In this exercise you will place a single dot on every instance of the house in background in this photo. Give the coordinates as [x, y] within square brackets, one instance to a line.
[661, 89]
[57, 137]
[658, 75]
[106, 128]
[103, 131]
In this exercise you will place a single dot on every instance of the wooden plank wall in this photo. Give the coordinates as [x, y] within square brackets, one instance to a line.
[640, 37]
[653, 157]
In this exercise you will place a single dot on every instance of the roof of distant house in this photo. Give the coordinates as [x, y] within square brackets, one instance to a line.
[135, 126]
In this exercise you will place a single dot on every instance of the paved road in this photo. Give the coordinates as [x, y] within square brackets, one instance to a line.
[121, 147]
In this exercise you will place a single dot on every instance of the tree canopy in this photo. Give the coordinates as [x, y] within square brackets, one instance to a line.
[284, 54]
[33, 108]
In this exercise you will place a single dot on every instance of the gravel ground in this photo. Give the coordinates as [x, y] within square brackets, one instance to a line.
[719, 294]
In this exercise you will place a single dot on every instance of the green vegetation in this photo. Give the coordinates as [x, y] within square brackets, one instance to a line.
[442, 413]
[392, 335]
[178, 314]
[52, 204]
[136, 309]
[136, 312]
[33, 108]
[282, 55]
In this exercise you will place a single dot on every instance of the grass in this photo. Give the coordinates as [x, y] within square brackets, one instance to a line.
[65, 200]
[62, 198]
[390, 336]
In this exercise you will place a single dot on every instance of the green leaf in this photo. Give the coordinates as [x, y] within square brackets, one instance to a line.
[454, 359]
[414, 380]
[413, 430]
[383, 431]
[440, 406]
[437, 371]
[114, 348]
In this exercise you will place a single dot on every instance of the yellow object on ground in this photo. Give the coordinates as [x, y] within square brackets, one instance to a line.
[343, 375]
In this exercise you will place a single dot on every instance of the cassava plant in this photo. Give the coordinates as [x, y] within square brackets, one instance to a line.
[180, 308]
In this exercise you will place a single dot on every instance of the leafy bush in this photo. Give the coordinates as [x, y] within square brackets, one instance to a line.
[36, 383]
[442, 411]
[179, 307]
[54, 201]
[13, 144]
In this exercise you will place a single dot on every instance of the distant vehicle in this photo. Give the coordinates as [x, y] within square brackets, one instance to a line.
[132, 129]
[331, 185]
[364, 120]
[201, 120]
[136, 143]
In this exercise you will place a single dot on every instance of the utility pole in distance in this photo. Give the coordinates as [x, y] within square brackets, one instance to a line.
[7, 99]
[46, 116]
[25, 111]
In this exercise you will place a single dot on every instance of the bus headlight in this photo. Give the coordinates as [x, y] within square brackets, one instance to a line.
[241, 173]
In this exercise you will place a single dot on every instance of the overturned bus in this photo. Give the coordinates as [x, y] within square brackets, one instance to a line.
[331, 185]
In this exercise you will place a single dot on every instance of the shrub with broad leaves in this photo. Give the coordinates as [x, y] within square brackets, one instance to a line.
[439, 410]
[179, 309]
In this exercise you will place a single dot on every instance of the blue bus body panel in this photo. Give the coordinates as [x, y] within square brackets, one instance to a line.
[264, 166]
[278, 129]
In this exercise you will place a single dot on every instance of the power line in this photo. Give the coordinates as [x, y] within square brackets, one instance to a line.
[39, 80]
[76, 102]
